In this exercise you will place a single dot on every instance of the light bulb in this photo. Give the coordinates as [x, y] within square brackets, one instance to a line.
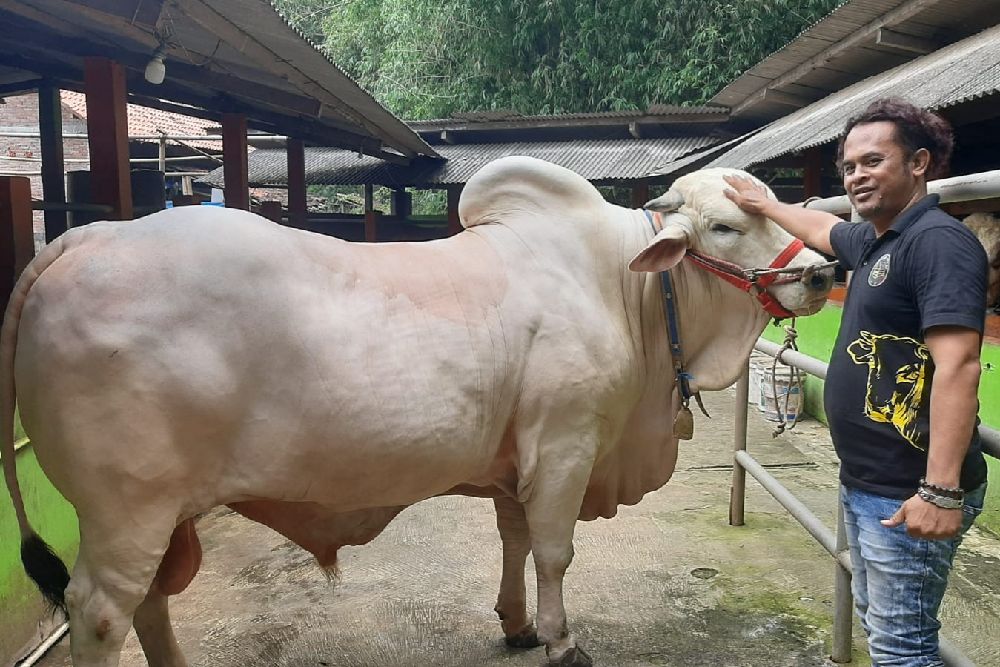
[156, 70]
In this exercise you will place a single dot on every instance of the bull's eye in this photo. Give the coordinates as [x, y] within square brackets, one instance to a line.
[723, 229]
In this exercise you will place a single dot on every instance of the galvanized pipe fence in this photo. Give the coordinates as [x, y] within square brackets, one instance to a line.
[834, 542]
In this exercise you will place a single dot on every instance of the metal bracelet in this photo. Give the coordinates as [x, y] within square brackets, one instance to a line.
[944, 502]
[949, 491]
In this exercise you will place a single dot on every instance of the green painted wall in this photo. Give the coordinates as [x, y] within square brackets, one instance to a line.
[55, 520]
[817, 335]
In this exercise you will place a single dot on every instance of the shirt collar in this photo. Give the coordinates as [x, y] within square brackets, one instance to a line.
[910, 215]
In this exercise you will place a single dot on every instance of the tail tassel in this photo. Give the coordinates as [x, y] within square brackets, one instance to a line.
[47, 570]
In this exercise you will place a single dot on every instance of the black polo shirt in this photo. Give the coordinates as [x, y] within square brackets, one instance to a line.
[926, 270]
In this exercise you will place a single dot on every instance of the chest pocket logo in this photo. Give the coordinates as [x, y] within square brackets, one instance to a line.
[880, 271]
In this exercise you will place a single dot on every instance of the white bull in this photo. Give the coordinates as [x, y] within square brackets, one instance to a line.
[200, 357]
[986, 227]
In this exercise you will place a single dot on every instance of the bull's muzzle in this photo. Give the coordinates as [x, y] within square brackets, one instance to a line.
[816, 278]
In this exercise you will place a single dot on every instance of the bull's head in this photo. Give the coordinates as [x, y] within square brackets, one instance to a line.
[698, 216]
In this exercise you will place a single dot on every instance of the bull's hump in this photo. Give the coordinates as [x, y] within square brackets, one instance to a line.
[522, 184]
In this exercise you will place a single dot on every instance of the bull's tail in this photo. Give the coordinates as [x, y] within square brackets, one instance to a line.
[40, 562]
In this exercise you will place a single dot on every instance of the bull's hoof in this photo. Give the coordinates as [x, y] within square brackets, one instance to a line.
[575, 657]
[526, 637]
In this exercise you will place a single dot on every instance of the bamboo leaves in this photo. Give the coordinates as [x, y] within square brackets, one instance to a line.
[430, 58]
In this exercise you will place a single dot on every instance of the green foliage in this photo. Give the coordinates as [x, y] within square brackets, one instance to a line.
[351, 199]
[432, 58]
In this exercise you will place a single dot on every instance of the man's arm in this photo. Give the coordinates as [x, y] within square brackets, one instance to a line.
[813, 227]
[955, 351]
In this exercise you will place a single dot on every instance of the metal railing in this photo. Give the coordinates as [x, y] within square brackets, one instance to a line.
[983, 185]
[834, 542]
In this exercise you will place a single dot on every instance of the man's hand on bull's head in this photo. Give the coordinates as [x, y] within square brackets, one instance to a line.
[749, 195]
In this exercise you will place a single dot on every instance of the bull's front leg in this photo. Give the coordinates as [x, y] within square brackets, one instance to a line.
[552, 509]
[518, 630]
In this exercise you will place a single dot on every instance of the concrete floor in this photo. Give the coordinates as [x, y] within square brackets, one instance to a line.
[667, 582]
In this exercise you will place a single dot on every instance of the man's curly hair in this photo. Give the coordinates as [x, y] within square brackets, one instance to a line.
[916, 128]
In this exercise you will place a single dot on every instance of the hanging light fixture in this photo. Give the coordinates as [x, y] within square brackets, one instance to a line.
[155, 69]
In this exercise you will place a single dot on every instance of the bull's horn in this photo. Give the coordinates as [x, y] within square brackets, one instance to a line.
[668, 202]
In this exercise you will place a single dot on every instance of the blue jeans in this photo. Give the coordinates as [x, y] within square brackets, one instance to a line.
[898, 580]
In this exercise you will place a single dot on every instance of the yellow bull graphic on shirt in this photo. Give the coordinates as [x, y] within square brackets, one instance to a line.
[897, 375]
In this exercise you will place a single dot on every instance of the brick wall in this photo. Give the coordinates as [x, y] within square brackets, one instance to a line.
[23, 154]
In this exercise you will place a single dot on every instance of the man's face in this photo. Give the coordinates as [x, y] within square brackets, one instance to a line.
[879, 178]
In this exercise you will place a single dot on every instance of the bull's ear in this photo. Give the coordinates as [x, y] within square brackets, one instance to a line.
[668, 202]
[666, 249]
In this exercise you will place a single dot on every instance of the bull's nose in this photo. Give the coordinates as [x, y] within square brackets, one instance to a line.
[818, 280]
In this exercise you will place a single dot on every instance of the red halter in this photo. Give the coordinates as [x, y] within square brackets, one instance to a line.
[754, 281]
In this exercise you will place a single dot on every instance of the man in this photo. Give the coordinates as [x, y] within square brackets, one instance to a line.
[901, 389]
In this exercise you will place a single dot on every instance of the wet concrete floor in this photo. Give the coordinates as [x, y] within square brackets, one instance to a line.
[666, 583]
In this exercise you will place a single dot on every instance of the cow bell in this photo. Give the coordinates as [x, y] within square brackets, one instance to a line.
[684, 423]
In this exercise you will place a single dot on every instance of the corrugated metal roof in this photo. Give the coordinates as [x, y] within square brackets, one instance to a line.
[958, 73]
[839, 23]
[145, 121]
[604, 160]
[843, 48]
[221, 56]
[701, 157]
[667, 110]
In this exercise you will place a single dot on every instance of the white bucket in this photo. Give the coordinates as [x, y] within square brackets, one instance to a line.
[758, 362]
[782, 388]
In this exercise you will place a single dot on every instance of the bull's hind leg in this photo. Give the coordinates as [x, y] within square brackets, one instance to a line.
[152, 618]
[113, 573]
[152, 627]
[518, 630]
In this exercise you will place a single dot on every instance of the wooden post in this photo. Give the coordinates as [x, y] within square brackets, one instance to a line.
[640, 194]
[107, 136]
[271, 210]
[402, 204]
[53, 165]
[371, 225]
[17, 238]
[234, 160]
[454, 223]
[371, 215]
[813, 179]
[297, 207]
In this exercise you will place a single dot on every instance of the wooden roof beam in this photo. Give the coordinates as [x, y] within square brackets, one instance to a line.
[19, 87]
[183, 88]
[142, 12]
[864, 36]
[147, 95]
[898, 41]
[272, 97]
[52, 21]
[786, 99]
[255, 92]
